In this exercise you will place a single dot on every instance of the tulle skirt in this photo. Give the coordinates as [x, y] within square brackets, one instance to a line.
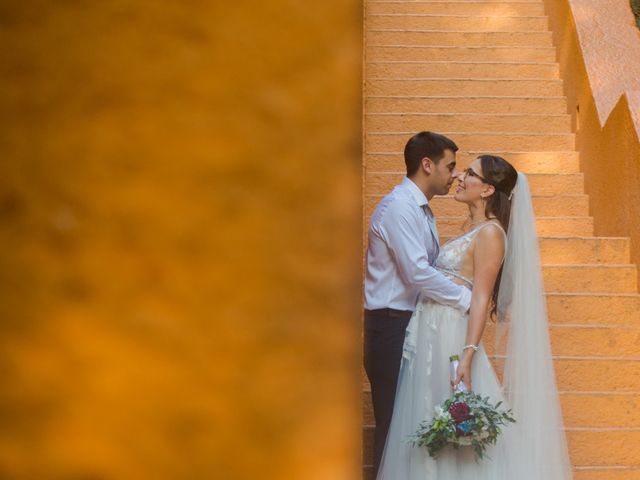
[436, 332]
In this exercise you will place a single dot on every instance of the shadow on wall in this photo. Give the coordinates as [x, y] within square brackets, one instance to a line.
[610, 159]
[179, 241]
[605, 109]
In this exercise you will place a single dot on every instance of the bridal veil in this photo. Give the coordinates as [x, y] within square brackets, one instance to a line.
[523, 344]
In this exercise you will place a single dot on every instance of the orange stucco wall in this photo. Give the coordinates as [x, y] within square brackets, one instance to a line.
[179, 240]
[599, 54]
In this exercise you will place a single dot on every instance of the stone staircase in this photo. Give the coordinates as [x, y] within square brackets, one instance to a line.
[484, 74]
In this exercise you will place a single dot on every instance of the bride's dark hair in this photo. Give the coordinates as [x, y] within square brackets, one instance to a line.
[501, 174]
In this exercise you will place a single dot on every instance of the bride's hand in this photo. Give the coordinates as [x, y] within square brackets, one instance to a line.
[464, 374]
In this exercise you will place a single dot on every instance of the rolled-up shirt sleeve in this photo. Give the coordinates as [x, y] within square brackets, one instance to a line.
[403, 235]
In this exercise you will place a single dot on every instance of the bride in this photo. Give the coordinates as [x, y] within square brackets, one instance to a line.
[498, 258]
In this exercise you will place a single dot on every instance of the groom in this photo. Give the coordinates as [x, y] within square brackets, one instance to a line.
[403, 247]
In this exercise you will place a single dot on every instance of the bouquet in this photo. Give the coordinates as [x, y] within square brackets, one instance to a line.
[465, 419]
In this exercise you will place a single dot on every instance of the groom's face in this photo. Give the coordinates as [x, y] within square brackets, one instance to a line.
[444, 173]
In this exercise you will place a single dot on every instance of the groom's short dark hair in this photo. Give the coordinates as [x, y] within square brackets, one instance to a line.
[426, 144]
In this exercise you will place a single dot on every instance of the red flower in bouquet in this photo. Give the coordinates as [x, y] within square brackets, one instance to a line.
[464, 420]
[459, 412]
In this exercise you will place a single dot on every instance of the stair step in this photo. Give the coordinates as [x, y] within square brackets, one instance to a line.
[457, 8]
[540, 184]
[594, 309]
[604, 278]
[473, 122]
[585, 447]
[483, 141]
[461, 69]
[522, 105]
[528, 162]
[405, 36]
[593, 374]
[616, 472]
[583, 340]
[543, 205]
[464, 86]
[457, 22]
[584, 250]
[599, 410]
[488, 53]
[565, 226]
[580, 341]
[367, 408]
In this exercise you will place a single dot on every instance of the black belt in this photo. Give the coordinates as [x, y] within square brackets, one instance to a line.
[390, 312]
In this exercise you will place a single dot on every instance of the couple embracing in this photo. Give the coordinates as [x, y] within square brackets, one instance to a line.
[425, 303]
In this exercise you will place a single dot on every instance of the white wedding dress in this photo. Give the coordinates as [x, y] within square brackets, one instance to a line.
[534, 448]
[436, 332]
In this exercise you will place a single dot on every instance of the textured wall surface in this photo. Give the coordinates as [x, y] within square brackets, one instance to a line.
[604, 102]
[610, 45]
[180, 233]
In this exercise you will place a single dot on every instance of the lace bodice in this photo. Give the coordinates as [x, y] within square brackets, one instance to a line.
[455, 260]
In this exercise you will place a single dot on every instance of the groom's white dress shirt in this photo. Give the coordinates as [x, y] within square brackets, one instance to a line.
[403, 247]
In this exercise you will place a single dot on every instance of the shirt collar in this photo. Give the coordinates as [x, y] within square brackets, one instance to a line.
[416, 193]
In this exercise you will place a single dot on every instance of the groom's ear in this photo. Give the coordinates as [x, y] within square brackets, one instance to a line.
[427, 165]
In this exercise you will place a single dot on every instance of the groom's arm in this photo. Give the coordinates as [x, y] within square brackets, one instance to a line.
[401, 231]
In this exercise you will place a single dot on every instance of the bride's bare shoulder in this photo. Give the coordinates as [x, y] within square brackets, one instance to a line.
[491, 236]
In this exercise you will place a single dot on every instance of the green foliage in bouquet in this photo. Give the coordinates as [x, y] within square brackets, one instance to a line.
[635, 6]
[466, 419]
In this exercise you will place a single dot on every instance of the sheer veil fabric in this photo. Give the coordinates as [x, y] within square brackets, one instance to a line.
[522, 342]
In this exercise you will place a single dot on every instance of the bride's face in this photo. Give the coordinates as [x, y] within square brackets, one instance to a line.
[471, 185]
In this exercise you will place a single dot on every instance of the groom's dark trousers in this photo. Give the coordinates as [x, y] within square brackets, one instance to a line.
[384, 331]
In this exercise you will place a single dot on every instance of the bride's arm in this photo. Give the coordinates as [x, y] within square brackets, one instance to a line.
[488, 253]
